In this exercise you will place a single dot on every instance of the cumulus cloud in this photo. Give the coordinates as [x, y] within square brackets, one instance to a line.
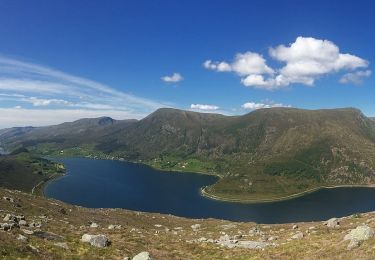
[174, 78]
[355, 77]
[218, 66]
[244, 64]
[204, 107]
[264, 104]
[307, 59]
[304, 61]
[259, 81]
[30, 86]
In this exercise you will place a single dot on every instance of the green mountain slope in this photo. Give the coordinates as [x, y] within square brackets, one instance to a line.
[267, 153]
[23, 171]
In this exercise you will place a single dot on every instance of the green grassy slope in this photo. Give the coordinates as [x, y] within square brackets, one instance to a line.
[23, 171]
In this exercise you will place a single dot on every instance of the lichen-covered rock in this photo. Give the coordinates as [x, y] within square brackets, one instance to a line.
[333, 223]
[10, 217]
[95, 240]
[94, 225]
[62, 245]
[114, 226]
[8, 199]
[360, 233]
[47, 235]
[196, 227]
[22, 238]
[299, 235]
[353, 244]
[27, 232]
[8, 226]
[22, 222]
[143, 256]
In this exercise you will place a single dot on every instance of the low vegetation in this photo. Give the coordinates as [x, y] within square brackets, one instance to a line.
[33, 227]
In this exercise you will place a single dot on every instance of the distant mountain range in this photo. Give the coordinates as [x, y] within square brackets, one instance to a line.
[267, 153]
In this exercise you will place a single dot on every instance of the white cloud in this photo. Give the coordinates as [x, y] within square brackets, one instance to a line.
[355, 77]
[24, 84]
[176, 77]
[258, 80]
[305, 60]
[244, 64]
[265, 104]
[204, 107]
[218, 66]
[308, 58]
[46, 102]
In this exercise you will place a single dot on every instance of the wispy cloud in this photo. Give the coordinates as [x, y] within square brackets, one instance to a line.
[23, 84]
[262, 104]
[174, 78]
[355, 77]
[203, 107]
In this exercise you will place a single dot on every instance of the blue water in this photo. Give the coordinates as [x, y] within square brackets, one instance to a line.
[114, 184]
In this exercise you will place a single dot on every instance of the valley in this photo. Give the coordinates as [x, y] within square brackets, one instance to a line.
[267, 154]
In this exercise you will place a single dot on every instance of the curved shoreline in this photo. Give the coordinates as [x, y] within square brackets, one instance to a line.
[205, 194]
[39, 188]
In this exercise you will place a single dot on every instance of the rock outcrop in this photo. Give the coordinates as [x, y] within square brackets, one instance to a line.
[95, 240]
[143, 256]
[333, 223]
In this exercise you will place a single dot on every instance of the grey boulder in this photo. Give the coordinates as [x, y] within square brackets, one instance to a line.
[95, 240]
[143, 256]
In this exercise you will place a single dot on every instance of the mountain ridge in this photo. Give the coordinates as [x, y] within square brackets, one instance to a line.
[263, 154]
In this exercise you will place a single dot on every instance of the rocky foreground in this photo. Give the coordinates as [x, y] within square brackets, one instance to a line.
[38, 228]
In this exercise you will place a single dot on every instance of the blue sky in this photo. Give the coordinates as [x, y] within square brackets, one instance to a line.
[63, 60]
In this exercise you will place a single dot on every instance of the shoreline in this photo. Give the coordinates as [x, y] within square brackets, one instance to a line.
[205, 194]
[137, 162]
[38, 189]
[208, 195]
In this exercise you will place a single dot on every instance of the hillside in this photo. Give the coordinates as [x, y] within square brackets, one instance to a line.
[66, 135]
[266, 154]
[39, 228]
[23, 171]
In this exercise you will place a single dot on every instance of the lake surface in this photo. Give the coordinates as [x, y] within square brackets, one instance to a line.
[114, 184]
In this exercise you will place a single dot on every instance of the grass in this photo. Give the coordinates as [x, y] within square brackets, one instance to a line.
[172, 163]
[139, 233]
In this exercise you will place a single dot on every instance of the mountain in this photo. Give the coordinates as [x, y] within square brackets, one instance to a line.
[65, 134]
[268, 153]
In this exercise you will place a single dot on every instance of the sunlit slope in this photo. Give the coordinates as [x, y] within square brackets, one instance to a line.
[266, 153]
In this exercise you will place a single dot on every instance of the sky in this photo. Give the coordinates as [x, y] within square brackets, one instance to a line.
[65, 60]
